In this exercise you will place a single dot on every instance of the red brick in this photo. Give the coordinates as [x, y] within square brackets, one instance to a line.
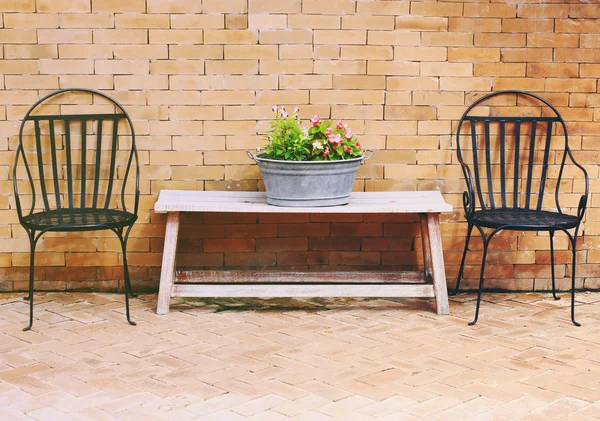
[250, 230]
[400, 230]
[202, 231]
[276, 218]
[336, 217]
[356, 230]
[229, 218]
[282, 244]
[184, 245]
[228, 245]
[404, 258]
[334, 243]
[307, 230]
[561, 257]
[198, 260]
[344, 258]
[391, 217]
[576, 26]
[250, 259]
[527, 25]
[302, 258]
[387, 244]
[491, 271]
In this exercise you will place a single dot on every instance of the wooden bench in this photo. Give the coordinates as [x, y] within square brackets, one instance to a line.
[209, 283]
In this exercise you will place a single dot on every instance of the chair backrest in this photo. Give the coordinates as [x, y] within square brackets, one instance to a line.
[512, 145]
[73, 159]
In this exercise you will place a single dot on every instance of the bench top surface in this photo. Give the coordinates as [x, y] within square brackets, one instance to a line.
[239, 201]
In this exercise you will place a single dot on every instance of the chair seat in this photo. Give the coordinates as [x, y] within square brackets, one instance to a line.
[78, 219]
[524, 219]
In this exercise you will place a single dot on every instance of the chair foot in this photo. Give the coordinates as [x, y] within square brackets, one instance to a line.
[28, 327]
[127, 313]
[576, 323]
[472, 323]
[133, 295]
[555, 296]
[26, 298]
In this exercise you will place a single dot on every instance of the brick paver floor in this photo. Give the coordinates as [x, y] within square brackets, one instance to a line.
[299, 359]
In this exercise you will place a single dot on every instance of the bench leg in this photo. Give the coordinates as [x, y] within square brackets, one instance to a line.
[426, 249]
[437, 262]
[167, 272]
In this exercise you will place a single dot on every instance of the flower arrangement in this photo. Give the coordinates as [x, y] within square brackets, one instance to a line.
[322, 141]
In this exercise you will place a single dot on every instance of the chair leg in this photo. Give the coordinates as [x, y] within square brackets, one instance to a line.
[32, 242]
[552, 265]
[126, 276]
[462, 262]
[481, 278]
[573, 282]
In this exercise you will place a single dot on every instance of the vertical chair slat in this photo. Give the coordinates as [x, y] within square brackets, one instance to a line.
[530, 169]
[488, 163]
[69, 169]
[502, 163]
[517, 158]
[113, 159]
[38, 144]
[545, 166]
[476, 162]
[98, 156]
[54, 163]
[83, 159]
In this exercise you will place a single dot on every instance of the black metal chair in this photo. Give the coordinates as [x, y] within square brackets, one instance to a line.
[76, 166]
[505, 162]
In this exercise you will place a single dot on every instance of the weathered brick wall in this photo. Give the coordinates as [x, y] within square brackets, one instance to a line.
[200, 77]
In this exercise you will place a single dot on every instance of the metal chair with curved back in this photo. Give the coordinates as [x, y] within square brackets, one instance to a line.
[76, 165]
[511, 161]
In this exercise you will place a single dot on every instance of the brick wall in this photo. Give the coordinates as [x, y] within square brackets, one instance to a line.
[200, 77]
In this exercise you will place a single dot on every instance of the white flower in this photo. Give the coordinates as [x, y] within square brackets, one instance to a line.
[296, 109]
[274, 108]
[284, 113]
[305, 131]
[317, 145]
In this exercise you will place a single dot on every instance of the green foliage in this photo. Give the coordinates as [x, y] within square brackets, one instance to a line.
[288, 141]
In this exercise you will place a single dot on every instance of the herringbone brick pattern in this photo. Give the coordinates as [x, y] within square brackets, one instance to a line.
[299, 360]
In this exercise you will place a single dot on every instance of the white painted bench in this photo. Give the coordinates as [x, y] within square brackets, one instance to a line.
[207, 283]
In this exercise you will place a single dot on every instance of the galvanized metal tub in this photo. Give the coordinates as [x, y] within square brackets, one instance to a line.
[308, 183]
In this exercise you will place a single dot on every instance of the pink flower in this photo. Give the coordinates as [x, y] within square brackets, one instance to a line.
[326, 152]
[348, 134]
[337, 139]
[328, 132]
[347, 149]
[340, 125]
[315, 120]
[358, 145]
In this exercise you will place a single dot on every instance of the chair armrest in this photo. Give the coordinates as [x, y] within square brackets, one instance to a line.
[581, 207]
[584, 198]
[16, 185]
[469, 194]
